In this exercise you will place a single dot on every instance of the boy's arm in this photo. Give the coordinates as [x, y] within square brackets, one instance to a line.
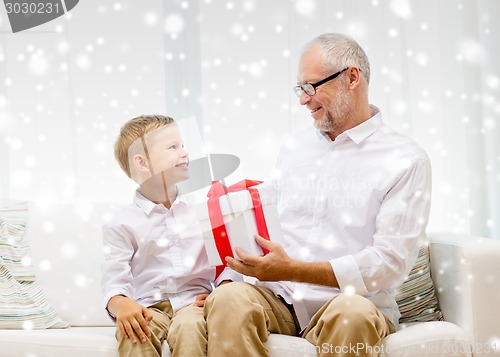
[118, 250]
[131, 318]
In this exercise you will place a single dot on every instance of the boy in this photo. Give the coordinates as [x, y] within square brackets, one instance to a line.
[156, 273]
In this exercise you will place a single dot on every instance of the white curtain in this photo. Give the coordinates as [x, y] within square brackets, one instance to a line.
[67, 86]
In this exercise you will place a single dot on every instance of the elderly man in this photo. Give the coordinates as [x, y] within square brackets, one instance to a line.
[354, 199]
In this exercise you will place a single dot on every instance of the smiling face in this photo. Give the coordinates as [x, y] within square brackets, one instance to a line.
[332, 105]
[166, 153]
[160, 156]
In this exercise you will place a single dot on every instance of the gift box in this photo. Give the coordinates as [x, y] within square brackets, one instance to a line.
[233, 215]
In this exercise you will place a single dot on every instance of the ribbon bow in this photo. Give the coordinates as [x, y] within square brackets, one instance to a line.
[219, 231]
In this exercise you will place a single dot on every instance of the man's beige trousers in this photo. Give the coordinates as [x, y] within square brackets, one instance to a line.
[240, 317]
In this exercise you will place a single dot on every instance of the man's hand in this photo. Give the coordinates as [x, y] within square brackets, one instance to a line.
[131, 318]
[274, 266]
[277, 265]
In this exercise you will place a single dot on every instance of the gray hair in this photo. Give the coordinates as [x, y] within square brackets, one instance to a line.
[339, 51]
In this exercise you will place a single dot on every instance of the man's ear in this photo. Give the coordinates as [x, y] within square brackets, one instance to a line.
[354, 76]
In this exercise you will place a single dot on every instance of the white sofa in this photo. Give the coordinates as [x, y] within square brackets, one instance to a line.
[66, 246]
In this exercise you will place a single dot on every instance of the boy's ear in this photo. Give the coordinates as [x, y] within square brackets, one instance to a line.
[140, 163]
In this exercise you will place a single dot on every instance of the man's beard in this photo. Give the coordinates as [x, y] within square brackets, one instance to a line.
[336, 116]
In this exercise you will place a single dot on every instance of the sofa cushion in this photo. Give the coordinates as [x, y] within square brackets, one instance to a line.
[100, 342]
[424, 339]
[416, 297]
[23, 304]
[74, 342]
[436, 339]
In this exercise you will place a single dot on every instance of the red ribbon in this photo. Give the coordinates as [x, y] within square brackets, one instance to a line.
[219, 231]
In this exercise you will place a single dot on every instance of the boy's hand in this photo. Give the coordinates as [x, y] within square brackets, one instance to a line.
[200, 300]
[132, 319]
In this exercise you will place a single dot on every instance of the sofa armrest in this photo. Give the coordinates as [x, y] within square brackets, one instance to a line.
[466, 273]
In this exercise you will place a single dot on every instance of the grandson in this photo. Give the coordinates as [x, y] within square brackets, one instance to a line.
[156, 273]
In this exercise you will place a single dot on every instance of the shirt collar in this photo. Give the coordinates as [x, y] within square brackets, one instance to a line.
[363, 130]
[148, 206]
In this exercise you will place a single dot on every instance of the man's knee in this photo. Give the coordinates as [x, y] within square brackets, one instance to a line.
[347, 320]
[229, 293]
[241, 301]
[350, 310]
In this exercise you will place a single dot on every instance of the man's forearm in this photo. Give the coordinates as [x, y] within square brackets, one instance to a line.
[313, 273]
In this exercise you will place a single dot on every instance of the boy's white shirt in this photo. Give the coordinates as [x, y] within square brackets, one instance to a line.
[152, 254]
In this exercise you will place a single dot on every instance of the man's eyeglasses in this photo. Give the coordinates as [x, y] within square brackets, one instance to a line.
[310, 88]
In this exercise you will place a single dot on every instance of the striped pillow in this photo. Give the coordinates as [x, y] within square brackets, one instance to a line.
[14, 249]
[415, 297]
[23, 304]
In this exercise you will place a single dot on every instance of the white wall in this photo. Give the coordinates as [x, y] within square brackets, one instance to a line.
[67, 86]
